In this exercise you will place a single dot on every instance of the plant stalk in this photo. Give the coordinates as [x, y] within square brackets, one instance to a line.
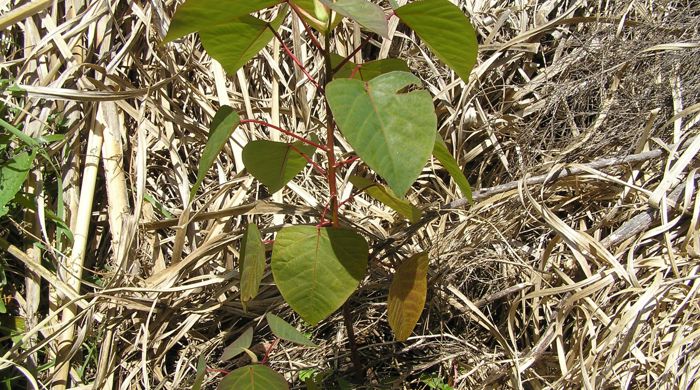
[333, 188]
[330, 136]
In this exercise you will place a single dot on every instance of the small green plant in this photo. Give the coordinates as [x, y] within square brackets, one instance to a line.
[379, 108]
[435, 382]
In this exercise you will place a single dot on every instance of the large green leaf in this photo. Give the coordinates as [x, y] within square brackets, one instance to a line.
[196, 15]
[222, 126]
[275, 163]
[368, 70]
[285, 331]
[252, 263]
[445, 30]
[13, 173]
[391, 130]
[443, 155]
[387, 196]
[407, 295]
[368, 15]
[235, 42]
[317, 269]
[253, 377]
[238, 346]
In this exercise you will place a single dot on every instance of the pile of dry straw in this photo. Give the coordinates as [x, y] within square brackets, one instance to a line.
[576, 268]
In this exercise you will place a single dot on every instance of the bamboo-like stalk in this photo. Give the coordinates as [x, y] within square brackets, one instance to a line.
[20, 13]
[73, 268]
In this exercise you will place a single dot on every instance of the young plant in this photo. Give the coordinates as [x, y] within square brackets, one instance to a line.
[379, 108]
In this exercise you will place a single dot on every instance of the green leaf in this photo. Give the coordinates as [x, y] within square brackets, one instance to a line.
[391, 130]
[253, 377]
[443, 155]
[201, 372]
[407, 295]
[368, 70]
[368, 15]
[222, 126]
[285, 331]
[196, 15]
[13, 173]
[239, 345]
[445, 30]
[387, 196]
[252, 263]
[234, 43]
[312, 17]
[27, 140]
[317, 269]
[275, 163]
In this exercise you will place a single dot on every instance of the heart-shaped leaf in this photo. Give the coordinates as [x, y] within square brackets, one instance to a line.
[445, 30]
[443, 155]
[407, 295]
[253, 377]
[222, 126]
[317, 269]
[275, 163]
[238, 346]
[197, 15]
[387, 196]
[285, 331]
[235, 42]
[391, 130]
[368, 70]
[368, 15]
[252, 263]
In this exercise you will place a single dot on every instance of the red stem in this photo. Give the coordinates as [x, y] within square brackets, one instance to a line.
[269, 350]
[289, 133]
[309, 160]
[330, 141]
[294, 58]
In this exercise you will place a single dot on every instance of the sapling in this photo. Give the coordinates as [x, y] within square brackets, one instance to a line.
[378, 107]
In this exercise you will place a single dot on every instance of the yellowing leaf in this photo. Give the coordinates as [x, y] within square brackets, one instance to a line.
[407, 295]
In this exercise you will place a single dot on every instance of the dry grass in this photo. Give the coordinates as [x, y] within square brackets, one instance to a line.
[577, 267]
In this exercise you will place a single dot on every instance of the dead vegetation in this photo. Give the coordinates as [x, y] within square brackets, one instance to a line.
[576, 268]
